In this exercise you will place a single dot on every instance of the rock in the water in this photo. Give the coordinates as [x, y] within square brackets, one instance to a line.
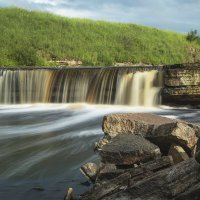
[178, 154]
[161, 131]
[197, 153]
[70, 195]
[130, 123]
[128, 150]
[89, 170]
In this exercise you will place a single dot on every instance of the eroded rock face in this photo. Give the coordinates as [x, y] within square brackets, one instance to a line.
[159, 130]
[178, 154]
[128, 150]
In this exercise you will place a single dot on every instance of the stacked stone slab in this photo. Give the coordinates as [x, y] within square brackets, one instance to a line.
[182, 84]
[138, 153]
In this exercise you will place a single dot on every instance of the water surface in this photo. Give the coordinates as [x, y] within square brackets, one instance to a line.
[42, 146]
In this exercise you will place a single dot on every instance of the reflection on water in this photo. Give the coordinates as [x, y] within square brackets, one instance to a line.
[43, 146]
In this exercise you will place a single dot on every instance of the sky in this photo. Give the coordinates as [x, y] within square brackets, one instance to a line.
[175, 15]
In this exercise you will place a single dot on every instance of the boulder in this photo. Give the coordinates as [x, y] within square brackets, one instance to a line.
[90, 171]
[129, 149]
[178, 154]
[130, 123]
[161, 131]
[179, 133]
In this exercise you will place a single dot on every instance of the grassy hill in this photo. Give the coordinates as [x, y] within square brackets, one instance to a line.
[39, 39]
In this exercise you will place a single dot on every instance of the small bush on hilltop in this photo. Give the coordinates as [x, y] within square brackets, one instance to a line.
[192, 35]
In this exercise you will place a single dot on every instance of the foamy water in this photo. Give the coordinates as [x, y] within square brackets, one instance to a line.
[44, 145]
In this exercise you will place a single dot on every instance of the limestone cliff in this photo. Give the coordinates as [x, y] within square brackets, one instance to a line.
[182, 84]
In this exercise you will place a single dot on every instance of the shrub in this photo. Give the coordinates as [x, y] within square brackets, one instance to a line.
[192, 35]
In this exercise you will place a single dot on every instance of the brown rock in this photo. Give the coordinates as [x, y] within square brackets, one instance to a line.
[179, 133]
[161, 131]
[128, 150]
[90, 171]
[178, 154]
[139, 123]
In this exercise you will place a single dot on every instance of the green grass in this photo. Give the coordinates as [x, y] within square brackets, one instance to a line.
[30, 38]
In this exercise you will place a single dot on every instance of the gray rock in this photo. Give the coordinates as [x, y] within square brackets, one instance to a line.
[170, 183]
[128, 150]
[110, 171]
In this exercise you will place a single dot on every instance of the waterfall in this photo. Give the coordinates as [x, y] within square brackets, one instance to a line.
[97, 86]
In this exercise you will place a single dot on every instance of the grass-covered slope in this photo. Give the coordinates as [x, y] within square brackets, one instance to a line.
[35, 38]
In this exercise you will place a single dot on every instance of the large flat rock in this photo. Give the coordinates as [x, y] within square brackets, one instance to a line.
[138, 123]
[161, 131]
[128, 150]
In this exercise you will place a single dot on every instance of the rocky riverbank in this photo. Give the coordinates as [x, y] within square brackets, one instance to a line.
[145, 156]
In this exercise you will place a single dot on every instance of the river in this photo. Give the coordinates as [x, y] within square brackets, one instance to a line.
[42, 146]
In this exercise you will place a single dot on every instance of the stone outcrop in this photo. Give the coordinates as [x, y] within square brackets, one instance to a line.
[161, 131]
[181, 84]
[133, 167]
[171, 183]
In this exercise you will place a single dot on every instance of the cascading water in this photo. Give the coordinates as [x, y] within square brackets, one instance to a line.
[98, 86]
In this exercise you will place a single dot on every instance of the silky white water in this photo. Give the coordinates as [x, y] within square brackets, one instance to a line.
[42, 146]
